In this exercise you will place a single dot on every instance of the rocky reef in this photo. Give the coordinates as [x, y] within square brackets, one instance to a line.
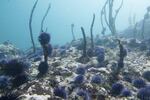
[69, 79]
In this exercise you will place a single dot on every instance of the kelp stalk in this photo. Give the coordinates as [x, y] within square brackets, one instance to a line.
[84, 58]
[30, 25]
[44, 17]
[91, 31]
[72, 31]
[84, 41]
[110, 19]
[102, 23]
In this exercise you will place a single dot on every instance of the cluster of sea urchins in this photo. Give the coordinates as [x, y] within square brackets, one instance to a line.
[44, 39]
[14, 74]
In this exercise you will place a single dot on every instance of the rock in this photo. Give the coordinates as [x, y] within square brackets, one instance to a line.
[101, 70]
[129, 32]
[9, 51]
[34, 97]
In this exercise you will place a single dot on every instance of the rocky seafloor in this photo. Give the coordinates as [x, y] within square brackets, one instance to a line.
[69, 79]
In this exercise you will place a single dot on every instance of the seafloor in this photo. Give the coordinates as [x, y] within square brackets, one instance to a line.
[63, 64]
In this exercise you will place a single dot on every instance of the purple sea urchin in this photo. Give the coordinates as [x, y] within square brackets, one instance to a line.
[146, 75]
[9, 96]
[60, 92]
[128, 78]
[81, 92]
[90, 52]
[96, 79]
[44, 38]
[126, 93]
[144, 93]
[15, 67]
[50, 49]
[80, 70]
[99, 50]
[116, 89]
[19, 80]
[4, 82]
[100, 53]
[43, 68]
[139, 83]
[3, 63]
[79, 79]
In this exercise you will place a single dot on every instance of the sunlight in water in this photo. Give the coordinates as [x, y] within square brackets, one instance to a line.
[62, 14]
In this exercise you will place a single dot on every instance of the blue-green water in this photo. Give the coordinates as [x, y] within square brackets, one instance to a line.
[14, 18]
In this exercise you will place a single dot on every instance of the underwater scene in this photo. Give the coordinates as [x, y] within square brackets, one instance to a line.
[74, 49]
